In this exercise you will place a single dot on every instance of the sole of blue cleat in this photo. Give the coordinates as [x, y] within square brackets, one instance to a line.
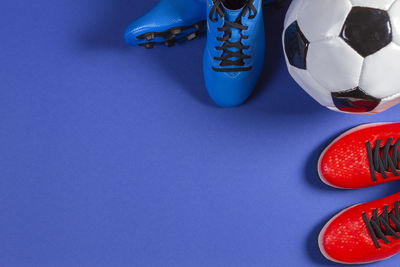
[173, 35]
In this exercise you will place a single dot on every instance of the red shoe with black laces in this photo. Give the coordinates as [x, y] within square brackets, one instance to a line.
[364, 156]
[363, 233]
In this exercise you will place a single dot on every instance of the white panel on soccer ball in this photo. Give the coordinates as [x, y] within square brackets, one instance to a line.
[380, 75]
[394, 14]
[291, 14]
[304, 79]
[322, 19]
[379, 4]
[334, 64]
[387, 103]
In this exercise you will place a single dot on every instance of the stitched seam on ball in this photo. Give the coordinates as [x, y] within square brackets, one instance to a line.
[392, 96]
[361, 74]
[391, 5]
[300, 9]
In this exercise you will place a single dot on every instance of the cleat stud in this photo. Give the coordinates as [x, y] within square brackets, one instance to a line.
[176, 31]
[150, 37]
[149, 46]
[192, 36]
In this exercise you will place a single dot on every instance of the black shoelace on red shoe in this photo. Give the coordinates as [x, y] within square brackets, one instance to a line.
[384, 159]
[379, 226]
[227, 54]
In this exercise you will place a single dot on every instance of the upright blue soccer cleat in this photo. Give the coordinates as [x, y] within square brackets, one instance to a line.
[169, 21]
[235, 49]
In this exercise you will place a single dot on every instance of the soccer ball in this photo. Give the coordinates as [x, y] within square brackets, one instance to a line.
[345, 53]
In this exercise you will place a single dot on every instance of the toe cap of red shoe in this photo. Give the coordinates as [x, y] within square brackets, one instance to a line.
[345, 165]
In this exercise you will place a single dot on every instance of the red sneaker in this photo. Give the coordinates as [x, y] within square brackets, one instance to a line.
[363, 156]
[363, 233]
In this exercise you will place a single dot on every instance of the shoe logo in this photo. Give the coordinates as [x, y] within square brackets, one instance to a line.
[384, 159]
[380, 227]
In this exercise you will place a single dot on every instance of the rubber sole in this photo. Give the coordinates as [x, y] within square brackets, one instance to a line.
[171, 35]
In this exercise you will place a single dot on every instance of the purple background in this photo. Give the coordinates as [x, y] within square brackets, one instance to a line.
[116, 156]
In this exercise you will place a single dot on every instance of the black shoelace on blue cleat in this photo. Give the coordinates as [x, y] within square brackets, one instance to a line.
[227, 54]
[380, 159]
[379, 226]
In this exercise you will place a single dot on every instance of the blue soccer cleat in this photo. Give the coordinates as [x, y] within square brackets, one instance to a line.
[235, 49]
[169, 21]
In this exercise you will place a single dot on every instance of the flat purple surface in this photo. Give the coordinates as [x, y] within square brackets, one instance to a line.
[116, 156]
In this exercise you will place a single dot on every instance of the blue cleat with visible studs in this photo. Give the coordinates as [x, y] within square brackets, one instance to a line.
[235, 50]
[170, 21]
